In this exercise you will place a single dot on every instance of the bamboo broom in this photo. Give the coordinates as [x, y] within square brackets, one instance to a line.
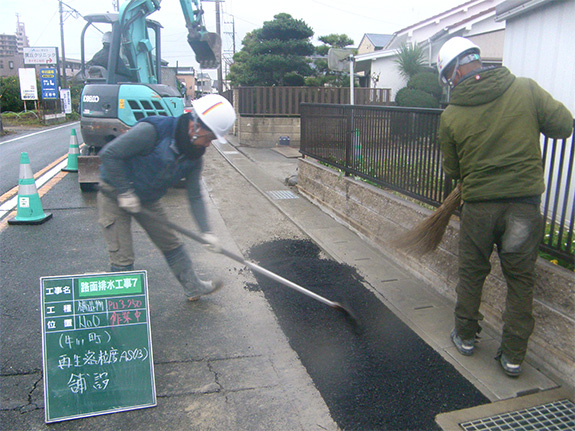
[427, 235]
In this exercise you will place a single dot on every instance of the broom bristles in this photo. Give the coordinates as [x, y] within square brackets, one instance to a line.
[427, 235]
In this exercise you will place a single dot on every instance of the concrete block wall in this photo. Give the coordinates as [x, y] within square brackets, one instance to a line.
[265, 132]
[380, 216]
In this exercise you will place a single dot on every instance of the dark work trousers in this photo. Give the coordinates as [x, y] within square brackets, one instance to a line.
[516, 229]
[116, 226]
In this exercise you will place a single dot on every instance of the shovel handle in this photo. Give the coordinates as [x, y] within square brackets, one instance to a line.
[289, 284]
[190, 234]
[241, 260]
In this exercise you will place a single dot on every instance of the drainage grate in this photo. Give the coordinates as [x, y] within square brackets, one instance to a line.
[282, 194]
[559, 415]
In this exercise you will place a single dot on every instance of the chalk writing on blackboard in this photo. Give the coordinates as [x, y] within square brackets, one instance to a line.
[97, 344]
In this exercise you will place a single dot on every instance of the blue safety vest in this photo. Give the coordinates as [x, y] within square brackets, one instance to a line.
[154, 173]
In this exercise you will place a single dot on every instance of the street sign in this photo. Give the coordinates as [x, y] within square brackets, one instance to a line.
[97, 346]
[41, 55]
[28, 88]
[66, 98]
[49, 83]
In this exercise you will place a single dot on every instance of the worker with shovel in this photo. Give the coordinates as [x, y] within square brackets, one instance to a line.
[489, 136]
[138, 168]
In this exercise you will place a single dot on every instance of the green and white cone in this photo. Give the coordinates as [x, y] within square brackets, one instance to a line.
[73, 154]
[29, 205]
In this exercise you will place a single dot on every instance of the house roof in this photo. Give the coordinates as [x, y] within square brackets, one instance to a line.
[438, 26]
[378, 40]
[472, 19]
[436, 18]
[512, 8]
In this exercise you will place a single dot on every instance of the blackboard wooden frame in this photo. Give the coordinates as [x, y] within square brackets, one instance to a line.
[96, 344]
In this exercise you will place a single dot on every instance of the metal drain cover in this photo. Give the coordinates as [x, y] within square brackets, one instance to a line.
[282, 194]
[558, 415]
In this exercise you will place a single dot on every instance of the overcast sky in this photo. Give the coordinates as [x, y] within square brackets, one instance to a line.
[354, 18]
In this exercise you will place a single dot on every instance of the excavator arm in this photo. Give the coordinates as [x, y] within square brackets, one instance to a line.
[134, 38]
[206, 45]
[137, 45]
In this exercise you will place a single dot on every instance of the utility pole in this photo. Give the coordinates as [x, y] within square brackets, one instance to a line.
[1, 125]
[232, 34]
[219, 32]
[228, 56]
[64, 83]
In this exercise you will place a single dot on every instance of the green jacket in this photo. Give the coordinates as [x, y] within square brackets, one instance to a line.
[490, 134]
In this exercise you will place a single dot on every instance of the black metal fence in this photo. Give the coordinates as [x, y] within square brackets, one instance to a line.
[397, 148]
[558, 205]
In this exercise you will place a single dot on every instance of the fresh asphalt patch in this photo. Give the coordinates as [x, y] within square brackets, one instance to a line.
[384, 377]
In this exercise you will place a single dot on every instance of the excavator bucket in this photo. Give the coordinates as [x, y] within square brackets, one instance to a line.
[207, 47]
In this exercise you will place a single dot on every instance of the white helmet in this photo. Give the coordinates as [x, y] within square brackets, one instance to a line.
[107, 37]
[451, 51]
[216, 113]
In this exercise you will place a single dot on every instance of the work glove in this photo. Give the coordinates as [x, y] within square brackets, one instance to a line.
[129, 202]
[211, 242]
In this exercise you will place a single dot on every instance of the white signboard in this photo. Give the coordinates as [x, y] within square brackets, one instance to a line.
[66, 100]
[28, 88]
[41, 55]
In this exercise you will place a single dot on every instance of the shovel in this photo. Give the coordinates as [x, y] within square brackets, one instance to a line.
[335, 305]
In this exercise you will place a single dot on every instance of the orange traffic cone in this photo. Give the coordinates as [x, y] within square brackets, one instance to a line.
[29, 205]
[73, 153]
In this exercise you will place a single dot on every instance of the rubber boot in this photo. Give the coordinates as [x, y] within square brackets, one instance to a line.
[119, 268]
[181, 265]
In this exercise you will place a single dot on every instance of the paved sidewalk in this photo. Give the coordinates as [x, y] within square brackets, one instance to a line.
[423, 310]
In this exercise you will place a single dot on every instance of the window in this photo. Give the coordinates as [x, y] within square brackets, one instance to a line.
[11, 64]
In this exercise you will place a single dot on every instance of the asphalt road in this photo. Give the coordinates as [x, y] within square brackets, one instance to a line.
[43, 146]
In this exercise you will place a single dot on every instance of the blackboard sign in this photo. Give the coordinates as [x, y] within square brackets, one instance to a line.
[97, 345]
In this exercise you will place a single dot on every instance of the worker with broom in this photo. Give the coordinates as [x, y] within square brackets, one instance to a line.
[138, 168]
[489, 136]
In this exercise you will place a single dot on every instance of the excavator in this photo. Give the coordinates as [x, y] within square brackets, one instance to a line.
[129, 87]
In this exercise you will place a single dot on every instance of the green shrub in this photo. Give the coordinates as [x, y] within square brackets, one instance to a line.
[10, 94]
[428, 82]
[415, 98]
[293, 79]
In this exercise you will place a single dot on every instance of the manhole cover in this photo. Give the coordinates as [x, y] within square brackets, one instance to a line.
[558, 415]
[282, 194]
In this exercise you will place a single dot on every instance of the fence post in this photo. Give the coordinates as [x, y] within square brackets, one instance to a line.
[349, 139]
[356, 146]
